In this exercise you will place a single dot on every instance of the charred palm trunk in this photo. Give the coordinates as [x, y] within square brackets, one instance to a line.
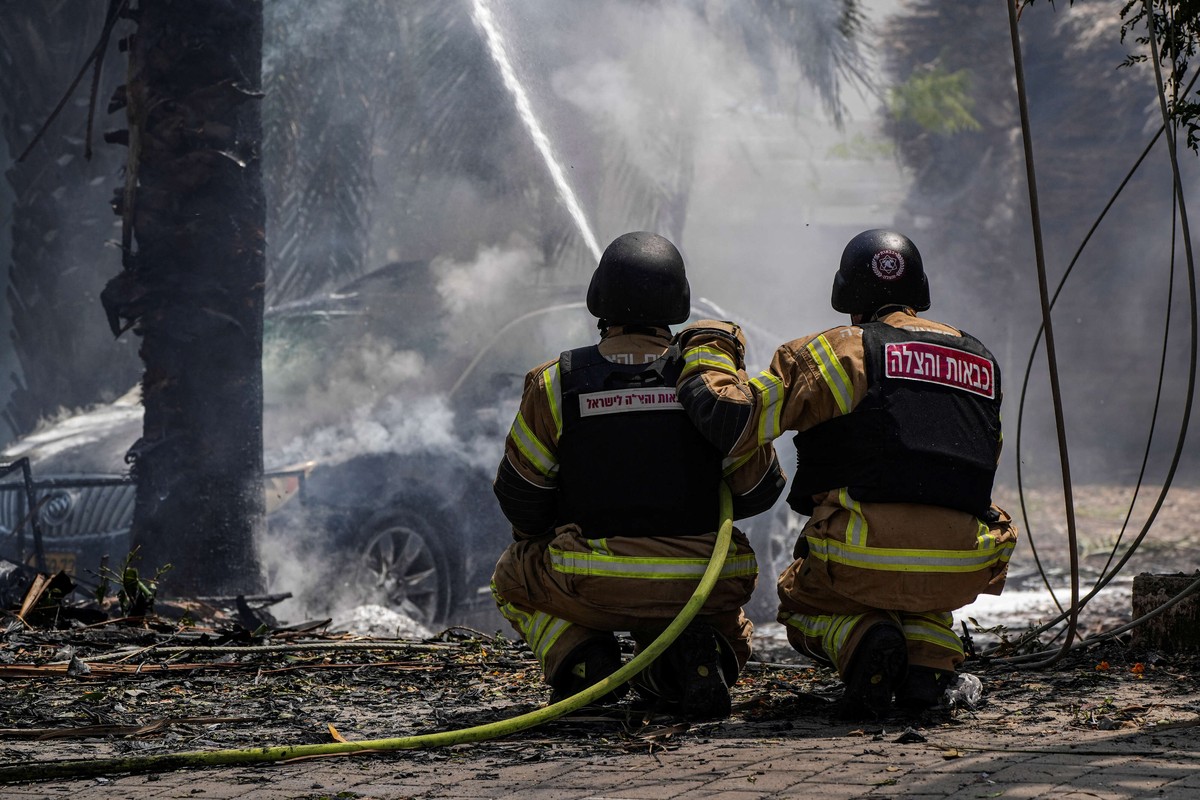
[192, 288]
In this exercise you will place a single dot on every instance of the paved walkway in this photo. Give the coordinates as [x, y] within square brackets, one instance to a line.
[1101, 724]
[713, 761]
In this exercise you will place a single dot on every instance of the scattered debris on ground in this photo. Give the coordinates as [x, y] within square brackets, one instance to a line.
[89, 679]
[155, 685]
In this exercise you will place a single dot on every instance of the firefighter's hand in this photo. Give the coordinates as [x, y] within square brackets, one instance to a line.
[712, 344]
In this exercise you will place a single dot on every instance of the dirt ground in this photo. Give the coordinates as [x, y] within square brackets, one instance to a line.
[99, 689]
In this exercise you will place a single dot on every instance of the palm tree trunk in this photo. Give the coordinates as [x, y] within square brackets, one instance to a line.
[193, 289]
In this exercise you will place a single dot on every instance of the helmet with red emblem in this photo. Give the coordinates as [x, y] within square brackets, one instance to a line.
[880, 268]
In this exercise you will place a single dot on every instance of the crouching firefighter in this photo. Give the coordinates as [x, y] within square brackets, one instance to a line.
[613, 499]
[897, 422]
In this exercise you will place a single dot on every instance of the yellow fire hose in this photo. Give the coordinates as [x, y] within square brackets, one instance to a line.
[81, 768]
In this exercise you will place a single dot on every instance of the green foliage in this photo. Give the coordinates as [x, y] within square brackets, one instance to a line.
[861, 147]
[1176, 28]
[936, 101]
[135, 594]
[1177, 32]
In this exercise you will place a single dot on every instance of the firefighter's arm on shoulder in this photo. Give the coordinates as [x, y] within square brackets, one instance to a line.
[755, 481]
[526, 484]
[712, 385]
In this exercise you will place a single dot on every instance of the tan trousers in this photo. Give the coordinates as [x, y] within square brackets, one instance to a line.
[561, 591]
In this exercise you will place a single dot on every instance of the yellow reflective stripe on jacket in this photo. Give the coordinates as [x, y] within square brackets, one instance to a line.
[896, 559]
[831, 630]
[732, 465]
[770, 389]
[571, 562]
[532, 448]
[856, 528]
[539, 629]
[698, 358]
[551, 379]
[831, 370]
[811, 626]
[933, 629]
[545, 630]
[600, 546]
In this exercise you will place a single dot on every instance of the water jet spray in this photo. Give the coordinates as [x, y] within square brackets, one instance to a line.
[499, 51]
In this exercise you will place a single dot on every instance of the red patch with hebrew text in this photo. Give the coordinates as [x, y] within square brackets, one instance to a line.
[945, 366]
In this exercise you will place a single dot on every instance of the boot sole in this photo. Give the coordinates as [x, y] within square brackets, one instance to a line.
[878, 666]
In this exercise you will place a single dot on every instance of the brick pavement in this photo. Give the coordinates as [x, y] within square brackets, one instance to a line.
[957, 760]
[1100, 725]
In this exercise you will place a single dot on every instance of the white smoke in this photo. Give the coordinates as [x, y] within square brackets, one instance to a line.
[486, 284]
[333, 399]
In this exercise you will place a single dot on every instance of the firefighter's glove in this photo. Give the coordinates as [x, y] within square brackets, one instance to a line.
[712, 344]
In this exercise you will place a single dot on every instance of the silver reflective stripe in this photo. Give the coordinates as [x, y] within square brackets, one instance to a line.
[839, 631]
[548, 629]
[731, 465]
[540, 630]
[600, 546]
[551, 377]
[641, 567]
[770, 389]
[831, 630]
[927, 630]
[856, 528]
[702, 357]
[831, 370]
[532, 448]
[900, 560]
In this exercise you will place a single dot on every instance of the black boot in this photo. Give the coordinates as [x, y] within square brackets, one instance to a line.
[923, 688]
[875, 670]
[691, 678]
[586, 665]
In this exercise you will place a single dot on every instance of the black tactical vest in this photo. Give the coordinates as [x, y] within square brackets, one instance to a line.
[630, 461]
[928, 430]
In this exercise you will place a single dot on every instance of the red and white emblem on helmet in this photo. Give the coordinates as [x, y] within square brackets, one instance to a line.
[888, 265]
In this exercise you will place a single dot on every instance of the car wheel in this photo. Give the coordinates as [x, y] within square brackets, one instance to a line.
[400, 560]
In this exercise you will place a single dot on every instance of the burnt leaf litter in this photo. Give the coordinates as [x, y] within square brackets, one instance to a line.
[190, 677]
[82, 678]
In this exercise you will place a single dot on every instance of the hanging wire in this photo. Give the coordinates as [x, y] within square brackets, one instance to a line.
[95, 60]
[1180, 208]
[1048, 326]
[1106, 577]
[1033, 354]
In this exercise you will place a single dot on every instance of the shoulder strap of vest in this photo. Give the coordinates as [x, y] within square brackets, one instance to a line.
[663, 371]
[875, 332]
[579, 358]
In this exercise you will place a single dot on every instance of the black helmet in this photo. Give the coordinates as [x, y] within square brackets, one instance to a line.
[640, 280]
[879, 268]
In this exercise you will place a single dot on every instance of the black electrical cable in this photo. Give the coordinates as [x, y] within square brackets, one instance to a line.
[1102, 636]
[95, 58]
[1048, 325]
[1105, 577]
[1033, 354]
[1190, 394]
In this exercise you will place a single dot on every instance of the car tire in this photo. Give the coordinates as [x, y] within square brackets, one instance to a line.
[400, 558]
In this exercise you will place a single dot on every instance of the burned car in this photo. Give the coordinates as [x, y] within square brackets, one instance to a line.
[386, 404]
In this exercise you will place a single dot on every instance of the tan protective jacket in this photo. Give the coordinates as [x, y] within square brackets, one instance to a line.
[860, 556]
[558, 587]
[531, 446]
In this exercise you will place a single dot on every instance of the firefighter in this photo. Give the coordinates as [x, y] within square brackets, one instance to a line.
[897, 422]
[612, 495]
